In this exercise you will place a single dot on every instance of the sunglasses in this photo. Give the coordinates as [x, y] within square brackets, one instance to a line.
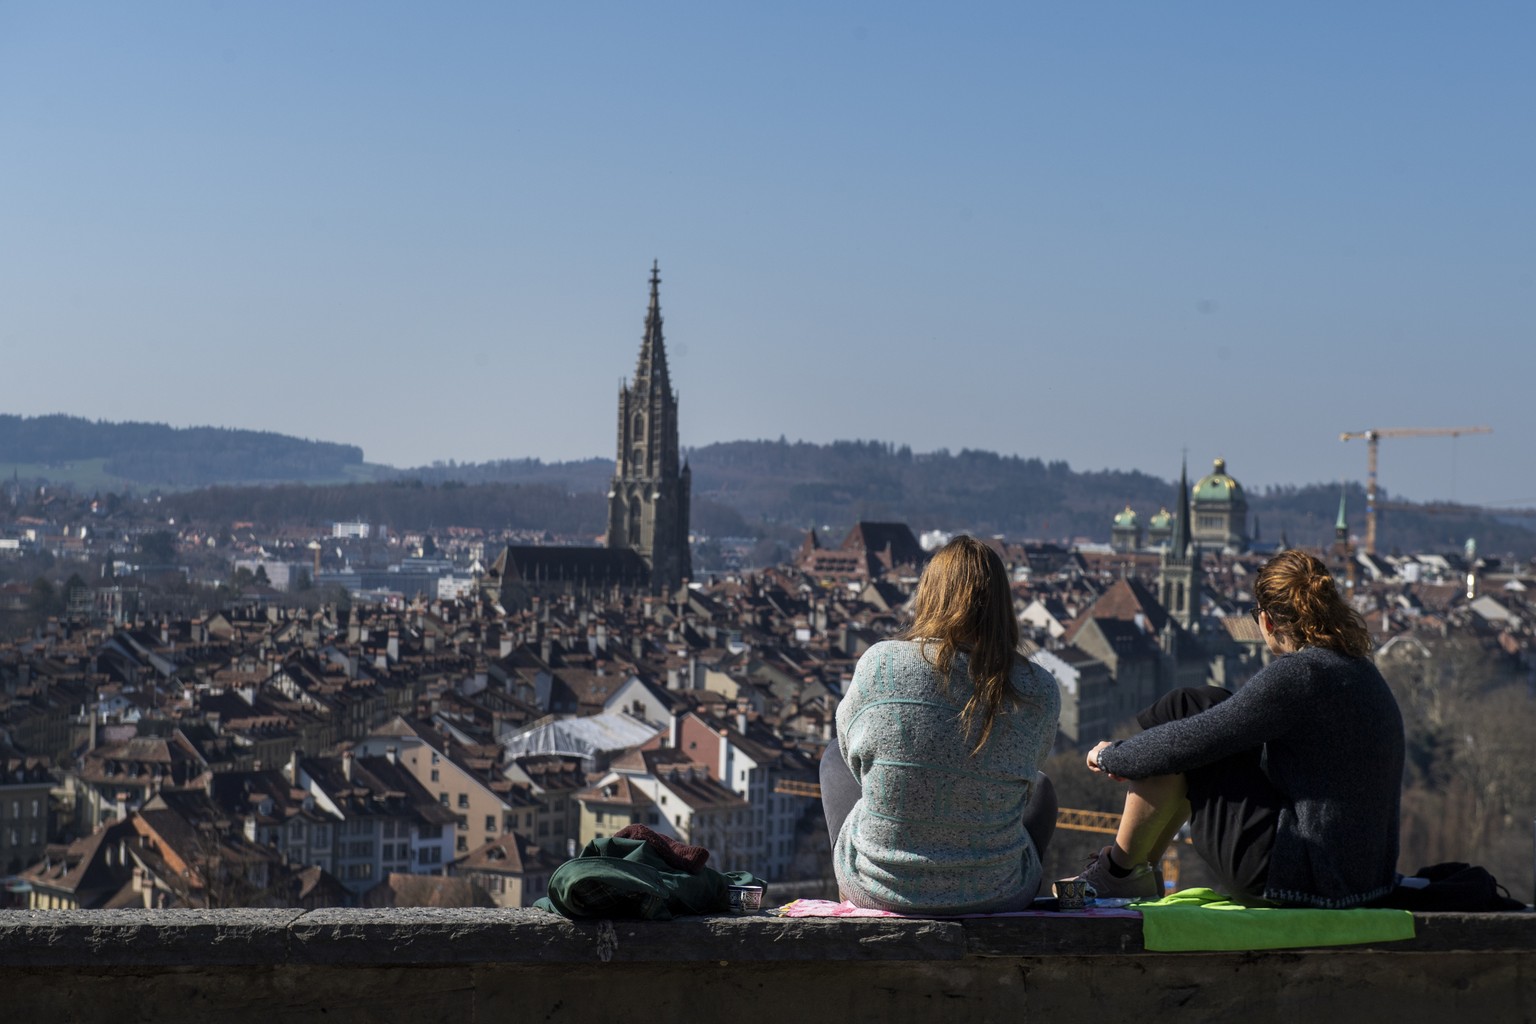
[1253, 613]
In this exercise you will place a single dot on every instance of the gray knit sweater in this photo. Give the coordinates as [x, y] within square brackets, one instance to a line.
[1333, 743]
[936, 830]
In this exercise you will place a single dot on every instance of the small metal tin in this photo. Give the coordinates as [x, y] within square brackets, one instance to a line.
[1071, 893]
[746, 899]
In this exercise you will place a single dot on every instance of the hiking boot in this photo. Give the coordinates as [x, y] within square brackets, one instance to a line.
[1140, 884]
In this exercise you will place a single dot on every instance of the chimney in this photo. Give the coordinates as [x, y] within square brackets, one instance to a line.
[392, 755]
[293, 768]
[392, 646]
[347, 759]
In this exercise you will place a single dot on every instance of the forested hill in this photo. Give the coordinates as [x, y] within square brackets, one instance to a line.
[771, 489]
[779, 487]
[149, 455]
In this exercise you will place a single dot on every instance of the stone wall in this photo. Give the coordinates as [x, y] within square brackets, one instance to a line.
[464, 966]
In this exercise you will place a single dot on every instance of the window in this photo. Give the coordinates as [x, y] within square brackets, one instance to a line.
[463, 823]
[434, 757]
[490, 823]
[463, 800]
[463, 844]
[442, 798]
[435, 774]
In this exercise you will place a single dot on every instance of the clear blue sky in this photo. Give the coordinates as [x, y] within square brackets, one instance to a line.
[1098, 232]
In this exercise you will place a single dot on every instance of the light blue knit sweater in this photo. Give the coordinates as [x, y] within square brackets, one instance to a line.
[936, 830]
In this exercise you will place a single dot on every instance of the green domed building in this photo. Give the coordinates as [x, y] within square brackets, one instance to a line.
[1125, 533]
[1220, 510]
[1160, 528]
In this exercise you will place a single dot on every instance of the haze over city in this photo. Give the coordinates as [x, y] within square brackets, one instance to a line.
[1102, 233]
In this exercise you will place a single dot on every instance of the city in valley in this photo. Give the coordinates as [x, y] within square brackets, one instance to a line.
[353, 714]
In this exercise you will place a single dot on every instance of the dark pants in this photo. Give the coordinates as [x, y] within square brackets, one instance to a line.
[840, 791]
[1233, 807]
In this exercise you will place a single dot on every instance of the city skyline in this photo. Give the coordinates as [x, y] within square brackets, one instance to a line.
[1101, 235]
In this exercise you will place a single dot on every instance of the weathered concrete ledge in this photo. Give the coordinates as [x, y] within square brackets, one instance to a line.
[468, 965]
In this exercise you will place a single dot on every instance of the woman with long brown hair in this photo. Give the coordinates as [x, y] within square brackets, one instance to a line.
[1291, 786]
[934, 798]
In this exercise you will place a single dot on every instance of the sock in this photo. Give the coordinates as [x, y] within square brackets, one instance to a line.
[1116, 870]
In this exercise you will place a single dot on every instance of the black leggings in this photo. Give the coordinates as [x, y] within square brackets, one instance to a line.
[1233, 807]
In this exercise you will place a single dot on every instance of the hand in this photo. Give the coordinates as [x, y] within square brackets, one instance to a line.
[1093, 760]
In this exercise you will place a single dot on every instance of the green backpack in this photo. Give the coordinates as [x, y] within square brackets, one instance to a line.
[625, 878]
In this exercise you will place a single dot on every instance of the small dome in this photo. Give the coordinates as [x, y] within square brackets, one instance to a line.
[1126, 519]
[1218, 486]
[1163, 520]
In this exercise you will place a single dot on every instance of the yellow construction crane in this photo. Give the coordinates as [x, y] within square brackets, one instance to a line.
[1372, 438]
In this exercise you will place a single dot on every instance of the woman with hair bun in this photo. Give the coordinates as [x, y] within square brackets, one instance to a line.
[934, 798]
[1291, 786]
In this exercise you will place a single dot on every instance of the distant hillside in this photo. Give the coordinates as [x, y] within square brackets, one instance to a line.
[769, 489]
[779, 487]
[69, 449]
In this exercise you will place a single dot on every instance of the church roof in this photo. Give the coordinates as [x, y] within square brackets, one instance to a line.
[579, 564]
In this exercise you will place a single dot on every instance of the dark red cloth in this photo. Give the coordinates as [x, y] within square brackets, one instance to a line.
[679, 855]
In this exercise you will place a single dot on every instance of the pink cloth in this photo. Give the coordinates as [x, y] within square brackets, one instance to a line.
[828, 908]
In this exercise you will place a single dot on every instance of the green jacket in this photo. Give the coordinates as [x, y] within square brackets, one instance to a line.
[626, 878]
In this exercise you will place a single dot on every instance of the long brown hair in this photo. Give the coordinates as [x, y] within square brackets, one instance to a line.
[964, 604]
[1298, 594]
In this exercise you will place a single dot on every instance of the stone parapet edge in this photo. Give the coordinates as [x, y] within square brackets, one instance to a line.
[427, 937]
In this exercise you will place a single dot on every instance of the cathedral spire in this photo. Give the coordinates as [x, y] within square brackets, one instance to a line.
[651, 371]
[1183, 537]
[648, 503]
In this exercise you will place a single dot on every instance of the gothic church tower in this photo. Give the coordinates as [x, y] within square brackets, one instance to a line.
[1178, 571]
[648, 502]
